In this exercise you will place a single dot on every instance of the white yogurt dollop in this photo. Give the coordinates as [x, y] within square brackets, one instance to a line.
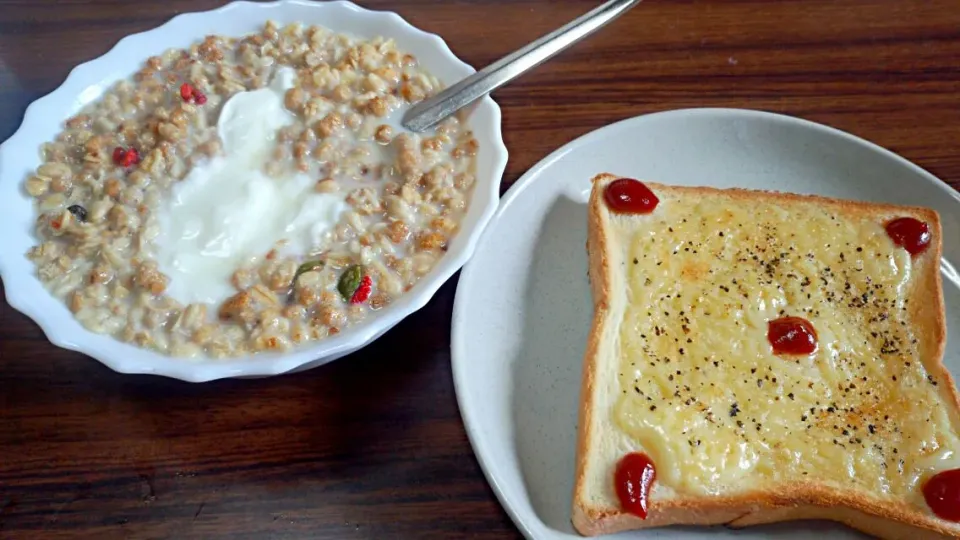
[227, 210]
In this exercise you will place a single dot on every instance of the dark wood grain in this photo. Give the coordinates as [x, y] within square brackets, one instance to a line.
[372, 446]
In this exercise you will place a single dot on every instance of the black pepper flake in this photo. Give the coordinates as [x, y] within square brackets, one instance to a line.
[635, 261]
[653, 407]
[871, 429]
[803, 418]
[734, 409]
[790, 395]
[739, 424]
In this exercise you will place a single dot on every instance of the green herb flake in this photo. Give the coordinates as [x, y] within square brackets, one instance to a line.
[308, 266]
[350, 281]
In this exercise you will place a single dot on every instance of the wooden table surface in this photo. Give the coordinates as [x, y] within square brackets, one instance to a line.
[372, 446]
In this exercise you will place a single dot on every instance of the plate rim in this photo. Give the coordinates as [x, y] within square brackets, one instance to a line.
[125, 358]
[457, 348]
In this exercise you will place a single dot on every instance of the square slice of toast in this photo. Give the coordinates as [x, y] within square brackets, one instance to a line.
[681, 366]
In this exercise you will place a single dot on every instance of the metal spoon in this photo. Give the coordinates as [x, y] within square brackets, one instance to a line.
[431, 111]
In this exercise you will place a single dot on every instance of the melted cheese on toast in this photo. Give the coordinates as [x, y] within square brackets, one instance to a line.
[701, 389]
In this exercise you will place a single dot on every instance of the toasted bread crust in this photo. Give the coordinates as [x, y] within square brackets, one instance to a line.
[795, 501]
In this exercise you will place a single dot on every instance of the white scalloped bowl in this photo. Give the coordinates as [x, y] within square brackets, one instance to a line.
[19, 155]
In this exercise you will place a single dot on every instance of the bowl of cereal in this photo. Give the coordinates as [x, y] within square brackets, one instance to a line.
[244, 204]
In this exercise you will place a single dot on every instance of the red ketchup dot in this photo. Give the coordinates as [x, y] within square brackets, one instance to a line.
[633, 479]
[942, 493]
[629, 196]
[792, 335]
[911, 234]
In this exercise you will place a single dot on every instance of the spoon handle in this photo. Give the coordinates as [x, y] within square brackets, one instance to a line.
[431, 111]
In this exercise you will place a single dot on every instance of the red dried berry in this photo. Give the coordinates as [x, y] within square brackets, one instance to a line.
[191, 95]
[133, 157]
[126, 158]
[186, 91]
[363, 291]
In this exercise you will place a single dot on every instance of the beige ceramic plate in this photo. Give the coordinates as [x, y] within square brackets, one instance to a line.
[523, 307]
